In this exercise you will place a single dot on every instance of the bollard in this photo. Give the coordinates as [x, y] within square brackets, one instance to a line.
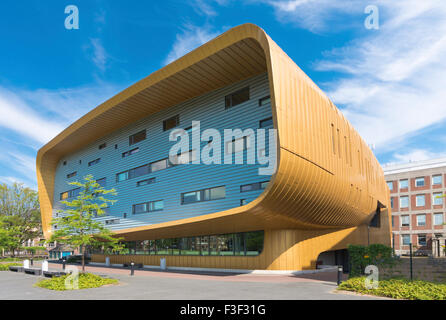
[132, 268]
[63, 264]
[339, 274]
[32, 261]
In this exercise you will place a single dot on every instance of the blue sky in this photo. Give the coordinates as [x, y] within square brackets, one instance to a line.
[390, 83]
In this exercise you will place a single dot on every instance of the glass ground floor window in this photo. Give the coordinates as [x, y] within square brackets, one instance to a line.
[232, 244]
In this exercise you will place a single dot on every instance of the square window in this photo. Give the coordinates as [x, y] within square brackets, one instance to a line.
[436, 180]
[159, 165]
[405, 221]
[237, 98]
[404, 184]
[420, 200]
[422, 239]
[390, 185]
[419, 182]
[404, 202]
[437, 198]
[137, 137]
[438, 219]
[405, 239]
[171, 123]
[421, 220]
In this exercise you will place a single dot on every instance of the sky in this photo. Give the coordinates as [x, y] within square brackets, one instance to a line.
[389, 81]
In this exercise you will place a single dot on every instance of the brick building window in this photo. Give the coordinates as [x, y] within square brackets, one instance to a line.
[421, 220]
[405, 239]
[404, 184]
[436, 180]
[437, 198]
[438, 219]
[404, 202]
[420, 200]
[390, 185]
[405, 221]
[419, 182]
[421, 239]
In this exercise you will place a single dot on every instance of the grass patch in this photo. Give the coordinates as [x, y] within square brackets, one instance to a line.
[398, 288]
[5, 266]
[86, 281]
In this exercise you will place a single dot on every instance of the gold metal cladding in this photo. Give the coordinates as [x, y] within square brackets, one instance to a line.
[326, 178]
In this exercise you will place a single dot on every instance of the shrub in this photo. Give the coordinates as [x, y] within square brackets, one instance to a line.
[374, 254]
[86, 281]
[5, 266]
[398, 288]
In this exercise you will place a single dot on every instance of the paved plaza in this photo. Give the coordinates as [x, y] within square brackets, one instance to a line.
[168, 285]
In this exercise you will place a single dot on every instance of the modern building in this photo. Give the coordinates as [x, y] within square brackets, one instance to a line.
[418, 211]
[326, 189]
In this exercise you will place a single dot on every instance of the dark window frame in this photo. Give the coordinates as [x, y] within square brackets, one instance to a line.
[267, 120]
[202, 195]
[94, 162]
[176, 118]
[133, 136]
[261, 100]
[230, 97]
[147, 204]
[71, 175]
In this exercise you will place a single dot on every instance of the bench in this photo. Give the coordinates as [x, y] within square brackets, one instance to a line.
[16, 268]
[51, 274]
[36, 272]
[137, 265]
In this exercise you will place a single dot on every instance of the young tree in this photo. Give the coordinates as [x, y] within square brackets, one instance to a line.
[20, 214]
[9, 235]
[77, 225]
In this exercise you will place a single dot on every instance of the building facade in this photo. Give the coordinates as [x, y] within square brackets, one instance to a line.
[296, 181]
[418, 212]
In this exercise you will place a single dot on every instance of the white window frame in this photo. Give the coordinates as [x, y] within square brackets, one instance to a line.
[406, 181]
[418, 222]
[416, 200]
[434, 198]
[401, 205]
[439, 214]
[418, 179]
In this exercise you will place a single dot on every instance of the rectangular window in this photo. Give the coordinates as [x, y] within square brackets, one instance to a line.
[393, 224]
[203, 195]
[421, 220]
[421, 239]
[404, 184]
[436, 180]
[419, 182]
[405, 221]
[145, 182]
[391, 202]
[264, 101]
[70, 194]
[92, 163]
[438, 219]
[390, 185]
[159, 165]
[238, 145]
[266, 123]
[111, 221]
[130, 152]
[243, 202]
[102, 182]
[184, 158]
[237, 98]
[148, 207]
[405, 239]
[420, 200]
[71, 175]
[137, 137]
[437, 198]
[254, 186]
[171, 123]
[102, 146]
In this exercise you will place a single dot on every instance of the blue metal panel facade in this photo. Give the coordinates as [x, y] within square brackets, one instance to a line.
[170, 183]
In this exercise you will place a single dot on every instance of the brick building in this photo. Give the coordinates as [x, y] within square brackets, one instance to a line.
[418, 210]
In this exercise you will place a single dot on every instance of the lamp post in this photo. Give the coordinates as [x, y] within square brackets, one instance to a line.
[410, 260]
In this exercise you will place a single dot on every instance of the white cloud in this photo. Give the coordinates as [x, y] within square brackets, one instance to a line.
[21, 118]
[394, 78]
[99, 54]
[316, 15]
[190, 38]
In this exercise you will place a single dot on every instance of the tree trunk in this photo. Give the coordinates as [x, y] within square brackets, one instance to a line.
[83, 259]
